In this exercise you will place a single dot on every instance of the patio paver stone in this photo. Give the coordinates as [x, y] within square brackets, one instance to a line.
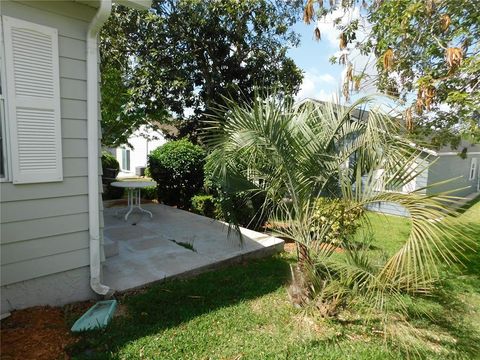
[150, 250]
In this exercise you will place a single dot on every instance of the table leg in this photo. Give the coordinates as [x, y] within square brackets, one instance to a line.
[140, 206]
[130, 203]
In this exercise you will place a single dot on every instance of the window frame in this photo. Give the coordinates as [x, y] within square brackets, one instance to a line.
[126, 151]
[7, 176]
[473, 169]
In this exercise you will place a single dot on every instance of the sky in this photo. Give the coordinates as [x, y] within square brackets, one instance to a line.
[321, 79]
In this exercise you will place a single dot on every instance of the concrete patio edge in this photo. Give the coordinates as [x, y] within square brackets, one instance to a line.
[238, 259]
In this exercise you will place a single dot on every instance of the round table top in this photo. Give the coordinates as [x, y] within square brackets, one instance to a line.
[133, 184]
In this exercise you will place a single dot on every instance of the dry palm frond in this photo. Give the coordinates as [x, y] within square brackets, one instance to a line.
[342, 60]
[430, 6]
[346, 90]
[388, 59]
[454, 57]
[419, 103]
[343, 41]
[429, 94]
[445, 22]
[409, 119]
[349, 73]
[356, 83]
[317, 33]
[308, 12]
[425, 97]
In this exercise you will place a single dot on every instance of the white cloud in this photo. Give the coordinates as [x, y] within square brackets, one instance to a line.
[331, 96]
[362, 64]
[327, 28]
[317, 86]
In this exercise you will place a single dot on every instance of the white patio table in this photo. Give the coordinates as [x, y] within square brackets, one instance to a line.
[134, 188]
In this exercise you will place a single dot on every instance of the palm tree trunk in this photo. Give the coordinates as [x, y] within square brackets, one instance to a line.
[305, 261]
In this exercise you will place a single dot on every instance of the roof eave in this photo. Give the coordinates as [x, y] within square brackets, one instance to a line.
[136, 4]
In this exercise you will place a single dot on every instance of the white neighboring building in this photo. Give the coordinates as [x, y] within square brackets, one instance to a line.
[144, 141]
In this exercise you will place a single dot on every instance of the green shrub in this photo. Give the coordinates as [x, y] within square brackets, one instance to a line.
[235, 207]
[148, 174]
[109, 161]
[177, 167]
[243, 209]
[340, 216]
[205, 205]
[110, 169]
[150, 192]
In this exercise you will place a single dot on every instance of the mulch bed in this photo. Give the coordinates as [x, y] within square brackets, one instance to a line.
[39, 332]
[291, 247]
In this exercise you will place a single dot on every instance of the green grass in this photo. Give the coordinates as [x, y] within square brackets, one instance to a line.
[244, 312]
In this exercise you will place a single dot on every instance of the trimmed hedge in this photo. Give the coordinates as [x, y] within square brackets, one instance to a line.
[177, 167]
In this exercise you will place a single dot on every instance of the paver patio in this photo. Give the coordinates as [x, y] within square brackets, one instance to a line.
[141, 250]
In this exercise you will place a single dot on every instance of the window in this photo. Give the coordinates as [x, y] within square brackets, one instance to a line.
[126, 159]
[473, 169]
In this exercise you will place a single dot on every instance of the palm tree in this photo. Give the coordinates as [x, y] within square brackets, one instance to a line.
[294, 155]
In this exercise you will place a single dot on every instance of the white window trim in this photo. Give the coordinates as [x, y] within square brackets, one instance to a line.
[3, 116]
[472, 171]
[123, 152]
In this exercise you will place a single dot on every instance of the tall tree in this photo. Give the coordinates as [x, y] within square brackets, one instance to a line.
[427, 54]
[190, 54]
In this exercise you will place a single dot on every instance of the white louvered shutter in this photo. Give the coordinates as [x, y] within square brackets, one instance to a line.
[33, 100]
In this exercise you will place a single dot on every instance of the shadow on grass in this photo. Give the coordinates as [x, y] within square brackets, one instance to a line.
[167, 305]
[459, 295]
[468, 205]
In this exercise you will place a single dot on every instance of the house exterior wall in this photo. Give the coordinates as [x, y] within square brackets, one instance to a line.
[391, 208]
[44, 227]
[144, 141]
[451, 166]
[442, 168]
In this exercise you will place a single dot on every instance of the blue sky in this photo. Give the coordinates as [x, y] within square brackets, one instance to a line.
[321, 78]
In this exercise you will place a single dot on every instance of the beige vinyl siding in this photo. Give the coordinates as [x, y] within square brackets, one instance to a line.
[47, 265]
[44, 226]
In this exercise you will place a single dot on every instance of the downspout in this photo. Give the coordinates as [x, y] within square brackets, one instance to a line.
[93, 156]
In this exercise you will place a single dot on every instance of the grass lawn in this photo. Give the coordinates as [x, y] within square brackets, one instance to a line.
[243, 312]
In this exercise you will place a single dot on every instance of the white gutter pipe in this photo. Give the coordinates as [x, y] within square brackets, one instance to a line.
[93, 156]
